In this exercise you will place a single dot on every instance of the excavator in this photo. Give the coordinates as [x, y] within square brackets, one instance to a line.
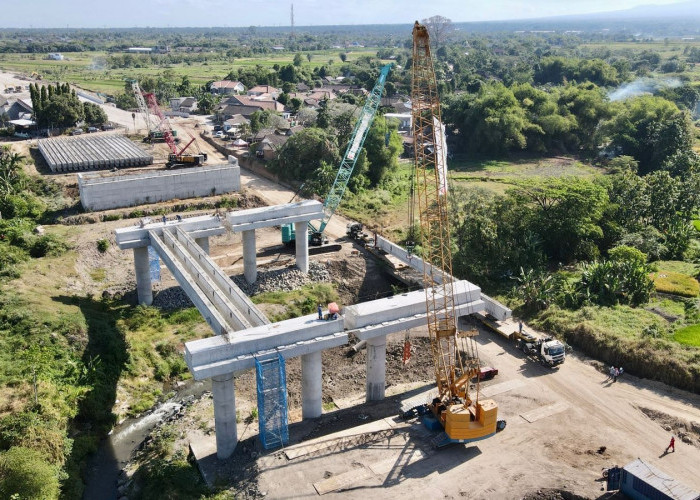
[457, 408]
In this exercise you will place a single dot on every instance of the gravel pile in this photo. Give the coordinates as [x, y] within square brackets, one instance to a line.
[171, 298]
[283, 280]
[276, 280]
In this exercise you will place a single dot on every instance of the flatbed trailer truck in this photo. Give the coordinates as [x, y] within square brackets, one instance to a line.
[549, 351]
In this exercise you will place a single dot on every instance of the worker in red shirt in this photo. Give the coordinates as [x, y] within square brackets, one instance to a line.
[671, 445]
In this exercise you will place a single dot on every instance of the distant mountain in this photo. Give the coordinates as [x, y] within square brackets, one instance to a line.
[684, 10]
[678, 19]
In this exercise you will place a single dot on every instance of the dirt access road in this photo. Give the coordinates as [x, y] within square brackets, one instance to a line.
[574, 411]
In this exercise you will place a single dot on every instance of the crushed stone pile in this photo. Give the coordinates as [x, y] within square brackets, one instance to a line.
[274, 280]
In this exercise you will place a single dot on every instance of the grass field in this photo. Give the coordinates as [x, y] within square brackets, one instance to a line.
[690, 335]
[87, 69]
[675, 283]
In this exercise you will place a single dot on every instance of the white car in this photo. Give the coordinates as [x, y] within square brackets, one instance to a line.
[219, 134]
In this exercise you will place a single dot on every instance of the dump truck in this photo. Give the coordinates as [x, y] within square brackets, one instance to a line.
[548, 351]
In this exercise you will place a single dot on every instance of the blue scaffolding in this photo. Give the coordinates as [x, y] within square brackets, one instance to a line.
[154, 264]
[272, 401]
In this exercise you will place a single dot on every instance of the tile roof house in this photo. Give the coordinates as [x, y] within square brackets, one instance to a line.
[227, 87]
[243, 100]
[268, 147]
[259, 90]
[235, 123]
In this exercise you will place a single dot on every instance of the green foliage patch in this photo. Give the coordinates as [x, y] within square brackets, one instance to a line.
[690, 335]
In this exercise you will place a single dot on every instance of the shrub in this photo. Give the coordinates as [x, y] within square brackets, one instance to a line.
[48, 245]
[24, 472]
[675, 283]
[145, 316]
[102, 245]
[21, 205]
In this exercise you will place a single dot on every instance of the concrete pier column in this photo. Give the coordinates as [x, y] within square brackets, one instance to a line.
[311, 382]
[203, 243]
[376, 368]
[301, 237]
[250, 264]
[223, 392]
[143, 276]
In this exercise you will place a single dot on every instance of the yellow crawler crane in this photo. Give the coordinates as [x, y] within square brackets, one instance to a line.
[461, 414]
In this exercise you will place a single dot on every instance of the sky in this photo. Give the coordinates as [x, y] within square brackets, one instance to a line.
[205, 13]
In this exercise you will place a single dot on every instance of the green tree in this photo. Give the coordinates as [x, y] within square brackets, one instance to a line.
[383, 145]
[624, 279]
[304, 153]
[63, 111]
[297, 60]
[491, 122]
[652, 130]
[94, 114]
[567, 216]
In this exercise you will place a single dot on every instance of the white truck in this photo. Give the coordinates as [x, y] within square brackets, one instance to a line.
[548, 351]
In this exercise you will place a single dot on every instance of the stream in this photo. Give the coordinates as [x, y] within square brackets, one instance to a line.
[115, 451]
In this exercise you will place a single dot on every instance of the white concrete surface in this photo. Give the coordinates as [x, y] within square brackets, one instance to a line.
[210, 314]
[392, 326]
[301, 243]
[403, 305]
[311, 383]
[376, 368]
[205, 284]
[223, 392]
[203, 243]
[144, 290]
[118, 191]
[138, 235]
[224, 283]
[222, 354]
[250, 262]
[492, 306]
[276, 215]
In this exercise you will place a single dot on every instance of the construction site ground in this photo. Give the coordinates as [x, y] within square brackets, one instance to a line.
[563, 427]
[558, 421]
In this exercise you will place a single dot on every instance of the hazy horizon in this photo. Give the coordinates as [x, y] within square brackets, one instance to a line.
[222, 13]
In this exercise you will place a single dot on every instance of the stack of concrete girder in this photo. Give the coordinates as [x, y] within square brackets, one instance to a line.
[91, 152]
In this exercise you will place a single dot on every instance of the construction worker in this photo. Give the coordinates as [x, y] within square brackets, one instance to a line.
[671, 445]
[320, 312]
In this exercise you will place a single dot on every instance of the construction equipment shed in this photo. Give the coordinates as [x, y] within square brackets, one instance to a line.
[642, 481]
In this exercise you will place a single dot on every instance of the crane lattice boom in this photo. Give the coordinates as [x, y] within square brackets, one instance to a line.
[454, 353]
[357, 139]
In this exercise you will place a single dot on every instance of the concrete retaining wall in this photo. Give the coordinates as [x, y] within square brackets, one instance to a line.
[118, 191]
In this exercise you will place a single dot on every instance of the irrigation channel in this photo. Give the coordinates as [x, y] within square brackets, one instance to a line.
[115, 451]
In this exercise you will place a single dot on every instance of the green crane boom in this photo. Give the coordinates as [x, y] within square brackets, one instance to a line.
[357, 140]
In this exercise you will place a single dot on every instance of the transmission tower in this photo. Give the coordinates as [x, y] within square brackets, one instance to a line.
[292, 16]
